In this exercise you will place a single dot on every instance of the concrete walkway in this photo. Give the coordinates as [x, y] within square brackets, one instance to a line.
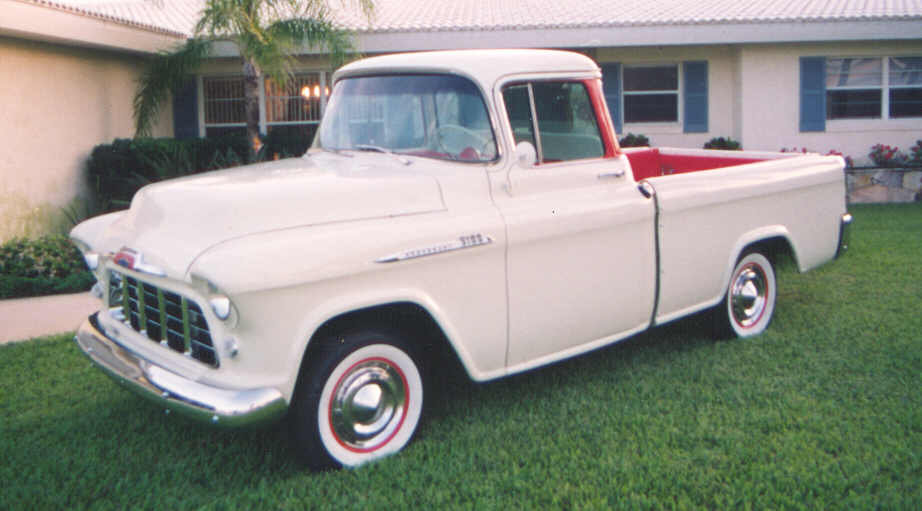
[25, 318]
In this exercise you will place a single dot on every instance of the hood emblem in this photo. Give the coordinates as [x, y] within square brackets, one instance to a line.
[133, 260]
[126, 258]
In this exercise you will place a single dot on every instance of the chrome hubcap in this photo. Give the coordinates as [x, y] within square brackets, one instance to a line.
[368, 404]
[748, 296]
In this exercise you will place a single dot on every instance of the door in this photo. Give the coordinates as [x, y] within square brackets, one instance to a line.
[580, 254]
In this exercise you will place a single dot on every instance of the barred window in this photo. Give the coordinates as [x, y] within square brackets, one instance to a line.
[294, 111]
[224, 105]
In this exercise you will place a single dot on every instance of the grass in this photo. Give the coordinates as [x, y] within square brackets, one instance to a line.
[823, 411]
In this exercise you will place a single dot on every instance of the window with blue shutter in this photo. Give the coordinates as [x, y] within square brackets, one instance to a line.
[812, 94]
[696, 97]
[611, 84]
[185, 111]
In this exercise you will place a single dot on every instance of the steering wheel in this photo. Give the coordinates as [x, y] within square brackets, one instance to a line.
[477, 139]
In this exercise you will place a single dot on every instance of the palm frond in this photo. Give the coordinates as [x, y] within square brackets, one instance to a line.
[165, 73]
[294, 34]
[225, 17]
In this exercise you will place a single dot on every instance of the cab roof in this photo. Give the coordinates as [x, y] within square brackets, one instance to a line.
[486, 66]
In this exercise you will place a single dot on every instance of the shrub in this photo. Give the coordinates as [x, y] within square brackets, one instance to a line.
[632, 140]
[117, 170]
[291, 142]
[727, 144]
[47, 265]
[886, 156]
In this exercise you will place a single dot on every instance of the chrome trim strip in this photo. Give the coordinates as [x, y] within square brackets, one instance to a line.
[201, 402]
[469, 241]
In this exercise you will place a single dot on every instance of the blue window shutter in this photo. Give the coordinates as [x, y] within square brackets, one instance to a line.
[696, 96]
[812, 94]
[611, 84]
[185, 111]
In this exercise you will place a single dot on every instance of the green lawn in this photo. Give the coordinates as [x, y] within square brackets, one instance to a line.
[824, 411]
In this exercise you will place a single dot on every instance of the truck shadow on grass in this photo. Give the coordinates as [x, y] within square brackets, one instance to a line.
[453, 392]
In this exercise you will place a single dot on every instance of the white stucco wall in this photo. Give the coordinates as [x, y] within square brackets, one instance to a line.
[722, 91]
[770, 101]
[56, 104]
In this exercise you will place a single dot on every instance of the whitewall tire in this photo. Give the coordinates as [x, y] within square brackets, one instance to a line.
[363, 399]
[750, 298]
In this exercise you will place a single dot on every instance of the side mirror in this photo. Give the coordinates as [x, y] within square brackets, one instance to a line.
[526, 154]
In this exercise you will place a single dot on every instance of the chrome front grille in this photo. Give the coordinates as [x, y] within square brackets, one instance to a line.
[163, 316]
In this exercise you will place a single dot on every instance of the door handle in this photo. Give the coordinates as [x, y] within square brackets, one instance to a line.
[611, 175]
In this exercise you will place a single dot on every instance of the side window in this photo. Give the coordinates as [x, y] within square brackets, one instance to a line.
[566, 122]
[567, 128]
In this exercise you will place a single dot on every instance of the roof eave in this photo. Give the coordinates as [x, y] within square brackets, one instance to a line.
[42, 23]
[642, 35]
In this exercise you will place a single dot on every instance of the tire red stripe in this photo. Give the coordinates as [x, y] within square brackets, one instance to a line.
[403, 414]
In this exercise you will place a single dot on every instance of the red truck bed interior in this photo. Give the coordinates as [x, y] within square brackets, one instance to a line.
[651, 163]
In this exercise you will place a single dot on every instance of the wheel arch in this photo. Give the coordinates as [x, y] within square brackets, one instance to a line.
[774, 242]
[408, 318]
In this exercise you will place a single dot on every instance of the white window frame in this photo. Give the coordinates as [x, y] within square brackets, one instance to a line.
[666, 125]
[884, 87]
[886, 70]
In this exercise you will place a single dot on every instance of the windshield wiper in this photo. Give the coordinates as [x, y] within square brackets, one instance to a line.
[379, 149]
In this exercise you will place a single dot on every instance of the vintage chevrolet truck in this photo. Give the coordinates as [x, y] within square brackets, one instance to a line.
[476, 200]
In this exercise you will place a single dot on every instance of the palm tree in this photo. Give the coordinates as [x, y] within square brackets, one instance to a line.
[267, 34]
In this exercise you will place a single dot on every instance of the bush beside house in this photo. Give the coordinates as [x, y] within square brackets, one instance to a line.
[48, 265]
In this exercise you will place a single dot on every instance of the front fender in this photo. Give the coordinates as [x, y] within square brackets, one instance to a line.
[286, 284]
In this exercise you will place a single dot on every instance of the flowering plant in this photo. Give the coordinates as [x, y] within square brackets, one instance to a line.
[915, 154]
[886, 156]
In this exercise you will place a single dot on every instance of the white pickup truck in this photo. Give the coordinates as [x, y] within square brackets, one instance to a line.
[473, 199]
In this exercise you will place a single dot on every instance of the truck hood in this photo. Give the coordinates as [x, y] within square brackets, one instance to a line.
[171, 223]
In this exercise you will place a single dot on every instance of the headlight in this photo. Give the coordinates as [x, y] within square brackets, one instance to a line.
[219, 302]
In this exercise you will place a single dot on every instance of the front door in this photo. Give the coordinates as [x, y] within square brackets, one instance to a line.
[581, 254]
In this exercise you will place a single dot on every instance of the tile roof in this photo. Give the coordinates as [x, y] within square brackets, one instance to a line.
[429, 15]
[395, 16]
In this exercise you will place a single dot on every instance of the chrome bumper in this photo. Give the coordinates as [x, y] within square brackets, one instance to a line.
[224, 407]
[844, 233]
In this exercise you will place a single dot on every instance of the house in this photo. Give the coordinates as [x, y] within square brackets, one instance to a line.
[817, 74]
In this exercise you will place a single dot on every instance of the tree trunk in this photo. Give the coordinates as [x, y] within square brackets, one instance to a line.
[251, 76]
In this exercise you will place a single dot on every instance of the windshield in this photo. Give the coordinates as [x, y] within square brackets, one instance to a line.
[433, 116]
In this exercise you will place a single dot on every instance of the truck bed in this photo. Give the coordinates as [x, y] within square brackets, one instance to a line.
[647, 162]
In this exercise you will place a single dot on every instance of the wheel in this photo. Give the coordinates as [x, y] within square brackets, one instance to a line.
[360, 399]
[750, 299]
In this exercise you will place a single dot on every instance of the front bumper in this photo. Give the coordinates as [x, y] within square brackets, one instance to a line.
[206, 403]
[844, 233]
